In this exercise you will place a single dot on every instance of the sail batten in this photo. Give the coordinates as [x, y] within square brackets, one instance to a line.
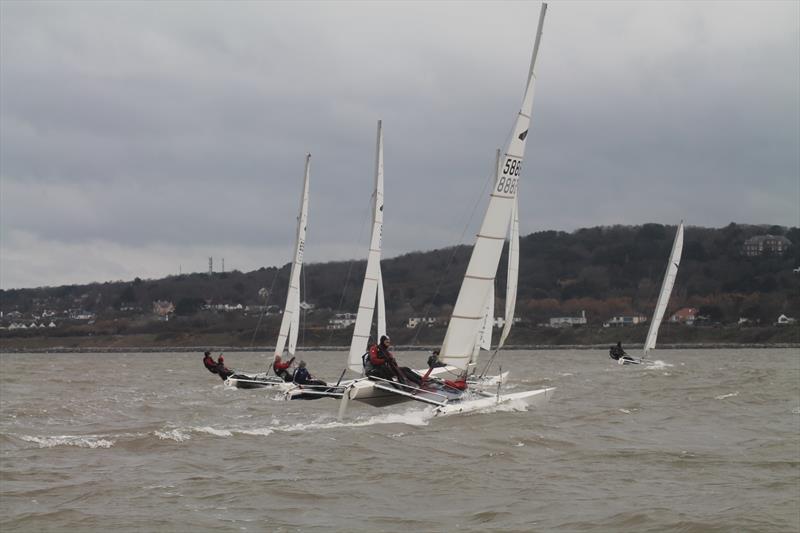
[666, 289]
[372, 288]
[290, 322]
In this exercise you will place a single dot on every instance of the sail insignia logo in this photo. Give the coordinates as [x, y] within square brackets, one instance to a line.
[523, 135]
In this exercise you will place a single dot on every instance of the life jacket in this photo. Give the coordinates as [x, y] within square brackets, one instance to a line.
[277, 367]
[301, 376]
[377, 357]
[210, 364]
[460, 383]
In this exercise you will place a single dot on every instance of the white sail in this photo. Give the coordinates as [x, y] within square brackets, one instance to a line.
[372, 277]
[482, 268]
[295, 324]
[666, 289]
[291, 312]
[512, 276]
[485, 337]
[381, 306]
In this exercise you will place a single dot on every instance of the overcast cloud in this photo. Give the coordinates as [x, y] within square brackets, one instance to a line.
[140, 138]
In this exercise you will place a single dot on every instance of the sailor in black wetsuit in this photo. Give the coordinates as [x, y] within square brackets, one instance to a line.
[615, 352]
[433, 360]
[302, 376]
[618, 354]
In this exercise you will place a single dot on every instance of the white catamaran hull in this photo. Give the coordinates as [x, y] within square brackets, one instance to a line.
[256, 381]
[450, 372]
[532, 398]
[364, 390]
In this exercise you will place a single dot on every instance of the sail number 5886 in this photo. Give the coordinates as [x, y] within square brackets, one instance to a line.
[507, 183]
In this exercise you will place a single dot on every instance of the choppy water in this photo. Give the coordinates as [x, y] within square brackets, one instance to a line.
[707, 441]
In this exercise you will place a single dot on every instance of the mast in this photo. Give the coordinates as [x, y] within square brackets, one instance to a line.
[291, 313]
[482, 268]
[373, 284]
[666, 289]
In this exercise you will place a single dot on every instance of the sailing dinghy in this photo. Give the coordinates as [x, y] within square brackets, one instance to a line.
[290, 322]
[371, 297]
[663, 299]
[466, 329]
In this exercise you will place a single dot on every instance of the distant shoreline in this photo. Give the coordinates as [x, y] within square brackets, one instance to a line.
[269, 349]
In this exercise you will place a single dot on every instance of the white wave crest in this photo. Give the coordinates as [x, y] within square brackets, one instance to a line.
[213, 431]
[257, 431]
[80, 441]
[723, 396]
[416, 417]
[173, 434]
[658, 364]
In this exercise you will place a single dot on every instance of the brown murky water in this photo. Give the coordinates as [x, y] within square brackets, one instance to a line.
[708, 440]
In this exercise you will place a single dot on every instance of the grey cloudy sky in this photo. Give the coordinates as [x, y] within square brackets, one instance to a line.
[137, 138]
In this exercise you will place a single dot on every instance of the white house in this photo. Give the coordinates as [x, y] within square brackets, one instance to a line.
[415, 321]
[631, 320]
[567, 321]
[341, 321]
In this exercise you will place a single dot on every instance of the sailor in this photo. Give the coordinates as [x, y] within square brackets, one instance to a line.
[222, 370]
[281, 368]
[302, 376]
[615, 352]
[433, 360]
[380, 360]
[366, 357]
[384, 365]
[209, 363]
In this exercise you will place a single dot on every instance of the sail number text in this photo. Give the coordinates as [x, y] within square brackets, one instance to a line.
[507, 183]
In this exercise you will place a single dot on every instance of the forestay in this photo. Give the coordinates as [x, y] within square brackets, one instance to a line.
[290, 323]
[666, 289]
[468, 313]
[373, 282]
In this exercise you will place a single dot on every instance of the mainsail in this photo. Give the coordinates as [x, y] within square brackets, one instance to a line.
[666, 289]
[468, 313]
[373, 281]
[290, 323]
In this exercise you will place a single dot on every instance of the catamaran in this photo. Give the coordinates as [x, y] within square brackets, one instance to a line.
[663, 299]
[371, 294]
[466, 329]
[290, 322]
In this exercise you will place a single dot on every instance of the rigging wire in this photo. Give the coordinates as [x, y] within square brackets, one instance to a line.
[350, 269]
[451, 260]
[264, 308]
